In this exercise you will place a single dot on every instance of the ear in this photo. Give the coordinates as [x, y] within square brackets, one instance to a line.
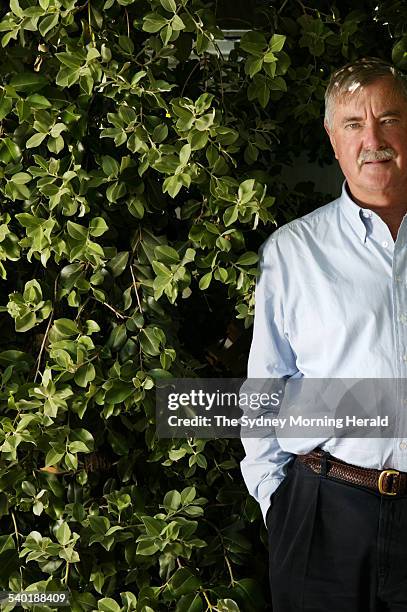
[331, 137]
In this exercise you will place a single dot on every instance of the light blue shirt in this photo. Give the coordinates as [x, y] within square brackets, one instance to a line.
[330, 302]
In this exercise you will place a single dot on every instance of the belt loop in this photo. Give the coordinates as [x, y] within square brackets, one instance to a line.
[324, 462]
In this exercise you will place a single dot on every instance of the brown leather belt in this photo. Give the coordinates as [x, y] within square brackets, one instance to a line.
[387, 482]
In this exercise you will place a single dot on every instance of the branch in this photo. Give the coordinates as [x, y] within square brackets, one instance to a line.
[135, 288]
[44, 340]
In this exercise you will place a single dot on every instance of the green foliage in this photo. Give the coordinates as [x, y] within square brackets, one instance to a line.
[139, 172]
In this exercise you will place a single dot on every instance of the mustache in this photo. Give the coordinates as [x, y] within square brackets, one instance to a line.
[380, 155]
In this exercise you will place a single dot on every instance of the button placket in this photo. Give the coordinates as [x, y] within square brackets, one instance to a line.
[400, 314]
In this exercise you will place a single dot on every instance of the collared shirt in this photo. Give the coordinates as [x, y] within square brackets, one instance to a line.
[330, 302]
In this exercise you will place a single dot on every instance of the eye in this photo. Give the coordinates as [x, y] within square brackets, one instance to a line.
[352, 126]
[390, 121]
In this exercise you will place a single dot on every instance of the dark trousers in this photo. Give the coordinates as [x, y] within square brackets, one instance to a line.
[336, 547]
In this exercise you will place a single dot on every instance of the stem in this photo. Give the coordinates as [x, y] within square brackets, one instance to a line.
[128, 24]
[18, 546]
[280, 10]
[15, 529]
[89, 22]
[81, 308]
[221, 81]
[198, 63]
[44, 340]
[204, 33]
[116, 312]
[43, 346]
[65, 578]
[302, 6]
[135, 288]
[210, 607]
[232, 580]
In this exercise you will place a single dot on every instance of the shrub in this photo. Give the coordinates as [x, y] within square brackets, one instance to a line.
[139, 172]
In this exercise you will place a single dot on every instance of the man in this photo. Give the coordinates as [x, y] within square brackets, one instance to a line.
[331, 302]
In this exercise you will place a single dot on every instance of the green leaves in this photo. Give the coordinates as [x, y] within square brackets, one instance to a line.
[76, 231]
[63, 534]
[268, 57]
[28, 309]
[141, 167]
[6, 543]
[97, 226]
[35, 140]
[169, 5]
[205, 122]
[119, 392]
[48, 23]
[110, 166]
[314, 33]
[184, 581]
[171, 272]
[150, 340]
[118, 263]
[85, 374]
[247, 259]
[172, 500]
[45, 552]
[28, 82]
[399, 53]
[166, 254]
[154, 22]
[107, 604]
[246, 192]
[253, 42]
[172, 185]
[80, 244]
[205, 281]
[259, 89]
[9, 151]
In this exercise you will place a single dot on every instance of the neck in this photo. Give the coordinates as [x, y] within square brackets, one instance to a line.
[389, 208]
[392, 219]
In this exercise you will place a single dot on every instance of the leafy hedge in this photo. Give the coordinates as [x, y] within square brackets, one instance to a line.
[139, 172]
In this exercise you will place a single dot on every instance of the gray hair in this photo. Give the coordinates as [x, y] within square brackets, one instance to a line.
[363, 71]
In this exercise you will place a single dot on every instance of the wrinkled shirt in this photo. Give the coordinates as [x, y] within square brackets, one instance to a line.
[330, 302]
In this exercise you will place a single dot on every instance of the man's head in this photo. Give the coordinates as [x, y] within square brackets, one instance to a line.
[366, 120]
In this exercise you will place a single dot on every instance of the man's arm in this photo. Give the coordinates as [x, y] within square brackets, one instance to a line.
[271, 356]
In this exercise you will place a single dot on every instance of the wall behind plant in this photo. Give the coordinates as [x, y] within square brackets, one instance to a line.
[139, 174]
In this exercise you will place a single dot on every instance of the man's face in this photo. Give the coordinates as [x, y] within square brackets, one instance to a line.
[369, 138]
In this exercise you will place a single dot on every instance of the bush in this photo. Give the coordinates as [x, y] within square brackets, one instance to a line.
[140, 171]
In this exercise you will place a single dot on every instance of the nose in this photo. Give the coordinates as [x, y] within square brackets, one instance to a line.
[373, 138]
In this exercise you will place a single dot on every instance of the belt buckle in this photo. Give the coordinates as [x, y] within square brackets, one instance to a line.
[382, 476]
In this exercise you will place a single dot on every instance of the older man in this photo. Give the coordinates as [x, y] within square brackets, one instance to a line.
[331, 302]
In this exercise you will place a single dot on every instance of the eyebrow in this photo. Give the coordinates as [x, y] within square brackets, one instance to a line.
[387, 113]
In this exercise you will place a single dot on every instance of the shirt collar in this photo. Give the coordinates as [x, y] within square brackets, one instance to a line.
[360, 218]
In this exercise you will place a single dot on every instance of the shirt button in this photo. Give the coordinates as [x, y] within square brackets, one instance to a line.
[385, 244]
[403, 319]
[403, 445]
[366, 213]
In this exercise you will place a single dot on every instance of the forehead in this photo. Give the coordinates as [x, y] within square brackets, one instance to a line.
[379, 96]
